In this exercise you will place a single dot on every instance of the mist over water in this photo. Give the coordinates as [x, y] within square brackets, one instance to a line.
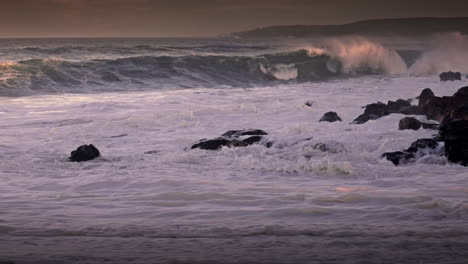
[447, 52]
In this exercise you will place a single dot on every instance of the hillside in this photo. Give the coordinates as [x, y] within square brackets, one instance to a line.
[378, 27]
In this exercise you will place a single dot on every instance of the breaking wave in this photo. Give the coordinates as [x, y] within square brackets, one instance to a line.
[35, 76]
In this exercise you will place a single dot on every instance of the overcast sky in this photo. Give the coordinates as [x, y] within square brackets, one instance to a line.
[170, 18]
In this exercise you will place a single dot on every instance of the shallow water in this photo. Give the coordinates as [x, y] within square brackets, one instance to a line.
[148, 200]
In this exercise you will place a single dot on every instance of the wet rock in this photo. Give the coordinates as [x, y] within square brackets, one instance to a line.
[421, 144]
[330, 147]
[455, 136]
[330, 117]
[409, 123]
[247, 132]
[372, 112]
[234, 138]
[450, 76]
[398, 106]
[399, 157]
[429, 125]
[425, 96]
[419, 148]
[84, 153]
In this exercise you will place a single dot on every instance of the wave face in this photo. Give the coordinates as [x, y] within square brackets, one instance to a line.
[31, 67]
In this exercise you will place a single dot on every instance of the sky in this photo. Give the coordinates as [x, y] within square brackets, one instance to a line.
[193, 18]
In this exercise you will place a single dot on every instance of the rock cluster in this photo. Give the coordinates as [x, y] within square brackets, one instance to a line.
[452, 112]
[378, 110]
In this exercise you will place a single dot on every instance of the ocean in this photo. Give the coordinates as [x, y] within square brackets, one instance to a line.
[151, 199]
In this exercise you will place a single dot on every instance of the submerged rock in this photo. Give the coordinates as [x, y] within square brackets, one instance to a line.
[84, 153]
[233, 138]
[419, 148]
[330, 117]
[330, 147]
[450, 76]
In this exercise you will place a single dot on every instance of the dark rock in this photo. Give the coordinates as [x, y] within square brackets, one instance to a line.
[420, 144]
[429, 126]
[458, 106]
[330, 117]
[409, 123]
[411, 110]
[455, 136]
[396, 107]
[247, 132]
[309, 103]
[398, 157]
[212, 144]
[372, 112]
[84, 153]
[419, 148]
[425, 96]
[233, 138]
[450, 76]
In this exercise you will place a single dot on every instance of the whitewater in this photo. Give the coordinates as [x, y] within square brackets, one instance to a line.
[151, 199]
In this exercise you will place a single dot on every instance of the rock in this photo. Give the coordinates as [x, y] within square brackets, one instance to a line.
[450, 76]
[455, 136]
[233, 138]
[84, 153]
[425, 96]
[436, 108]
[212, 144]
[421, 144]
[419, 148]
[398, 157]
[398, 106]
[330, 147]
[309, 103]
[429, 126]
[378, 110]
[457, 107]
[330, 117]
[409, 123]
[247, 132]
[372, 112]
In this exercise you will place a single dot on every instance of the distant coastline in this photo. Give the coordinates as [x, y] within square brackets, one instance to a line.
[376, 27]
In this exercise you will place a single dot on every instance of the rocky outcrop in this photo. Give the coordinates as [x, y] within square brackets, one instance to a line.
[455, 136]
[330, 117]
[452, 111]
[414, 124]
[450, 76]
[454, 128]
[84, 153]
[419, 148]
[234, 138]
[378, 110]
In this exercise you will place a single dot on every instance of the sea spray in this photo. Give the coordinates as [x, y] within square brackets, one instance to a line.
[354, 55]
